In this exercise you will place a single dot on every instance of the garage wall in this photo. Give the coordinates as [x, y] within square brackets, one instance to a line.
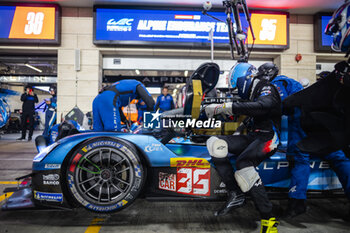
[80, 87]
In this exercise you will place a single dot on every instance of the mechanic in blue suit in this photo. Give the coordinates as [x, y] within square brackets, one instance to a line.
[300, 171]
[50, 114]
[141, 108]
[106, 107]
[165, 101]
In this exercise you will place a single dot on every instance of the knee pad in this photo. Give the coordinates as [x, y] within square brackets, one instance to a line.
[246, 178]
[217, 147]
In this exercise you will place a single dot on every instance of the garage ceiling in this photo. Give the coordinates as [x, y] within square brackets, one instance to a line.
[293, 6]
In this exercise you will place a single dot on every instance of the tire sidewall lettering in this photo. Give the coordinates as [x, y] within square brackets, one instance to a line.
[135, 186]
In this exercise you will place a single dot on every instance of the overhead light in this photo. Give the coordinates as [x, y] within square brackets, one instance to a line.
[137, 72]
[178, 86]
[43, 88]
[33, 68]
[186, 73]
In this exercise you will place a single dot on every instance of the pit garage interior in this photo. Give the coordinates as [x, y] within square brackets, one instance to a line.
[78, 64]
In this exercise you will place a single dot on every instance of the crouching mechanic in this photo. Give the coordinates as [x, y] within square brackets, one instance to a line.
[263, 107]
[107, 106]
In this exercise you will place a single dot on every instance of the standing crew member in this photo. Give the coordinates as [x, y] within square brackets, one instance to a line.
[165, 101]
[263, 107]
[29, 98]
[50, 114]
[107, 106]
[301, 160]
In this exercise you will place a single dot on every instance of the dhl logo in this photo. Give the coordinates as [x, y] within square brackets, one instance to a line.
[189, 162]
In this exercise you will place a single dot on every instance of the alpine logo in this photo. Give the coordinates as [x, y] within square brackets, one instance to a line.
[124, 25]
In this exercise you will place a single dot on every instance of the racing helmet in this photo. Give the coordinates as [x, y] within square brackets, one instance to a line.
[242, 77]
[268, 71]
[339, 27]
[238, 70]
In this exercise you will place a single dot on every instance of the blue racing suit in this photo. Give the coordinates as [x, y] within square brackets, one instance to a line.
[50, 115]
[140, 110]
[164, 103]
[106, 107]
[301, 170]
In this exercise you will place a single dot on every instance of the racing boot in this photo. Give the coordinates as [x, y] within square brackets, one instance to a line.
[235, 200]
[295, 208]
[269, 226]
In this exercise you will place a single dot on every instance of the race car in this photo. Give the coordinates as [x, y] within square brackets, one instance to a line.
[106, 171]
[5, 112]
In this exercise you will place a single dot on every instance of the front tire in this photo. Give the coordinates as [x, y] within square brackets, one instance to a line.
[105, 174]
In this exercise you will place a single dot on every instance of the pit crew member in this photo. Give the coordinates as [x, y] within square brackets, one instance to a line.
[263, 106]
[165, 101]
[300, 171]
[50, 114]
[29, 98]
[106, 107]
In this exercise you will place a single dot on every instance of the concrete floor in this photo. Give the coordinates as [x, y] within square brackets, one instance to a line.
[325, 215]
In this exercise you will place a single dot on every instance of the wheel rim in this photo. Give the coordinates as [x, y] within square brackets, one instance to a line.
[104, 176]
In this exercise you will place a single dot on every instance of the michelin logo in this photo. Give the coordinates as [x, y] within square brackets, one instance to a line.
[123, 25]
[54, 197]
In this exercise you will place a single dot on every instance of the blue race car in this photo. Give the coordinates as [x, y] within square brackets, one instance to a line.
[106, 171]
[5, 112]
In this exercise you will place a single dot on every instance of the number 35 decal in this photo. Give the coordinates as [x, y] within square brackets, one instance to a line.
[35, 23]
[193, 181]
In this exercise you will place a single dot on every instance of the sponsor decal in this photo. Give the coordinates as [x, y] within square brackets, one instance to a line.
[106, 208]
[167, 181]
[52, 166]
[51, 179]
[153, 147]
[189, 162]
[54, 197]
[190, 181]
[285, 165]
[222, 189]
[193, 181]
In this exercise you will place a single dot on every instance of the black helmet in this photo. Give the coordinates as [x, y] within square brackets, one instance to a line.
[268, 71]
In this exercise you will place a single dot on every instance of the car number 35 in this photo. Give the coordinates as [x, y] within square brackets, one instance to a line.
[193, 181]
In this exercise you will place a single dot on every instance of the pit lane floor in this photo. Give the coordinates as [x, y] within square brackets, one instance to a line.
[325, 215]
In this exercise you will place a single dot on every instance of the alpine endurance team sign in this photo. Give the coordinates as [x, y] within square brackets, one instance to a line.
[183, 28]
[26, 24]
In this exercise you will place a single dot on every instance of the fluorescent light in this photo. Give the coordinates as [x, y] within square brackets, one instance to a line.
[186, 73]
[154, 90]
[43, 88]
[137, 72]
[34, 68]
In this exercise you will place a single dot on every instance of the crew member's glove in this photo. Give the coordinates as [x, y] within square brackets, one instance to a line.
[342, 72]
[216, 109]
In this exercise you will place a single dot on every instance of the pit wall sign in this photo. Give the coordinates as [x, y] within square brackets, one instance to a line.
[131, 26]
[29, 24]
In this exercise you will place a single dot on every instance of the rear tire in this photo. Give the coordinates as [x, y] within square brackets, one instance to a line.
[104, 174]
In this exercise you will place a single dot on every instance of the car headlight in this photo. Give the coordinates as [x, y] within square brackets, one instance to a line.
[39, 157]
